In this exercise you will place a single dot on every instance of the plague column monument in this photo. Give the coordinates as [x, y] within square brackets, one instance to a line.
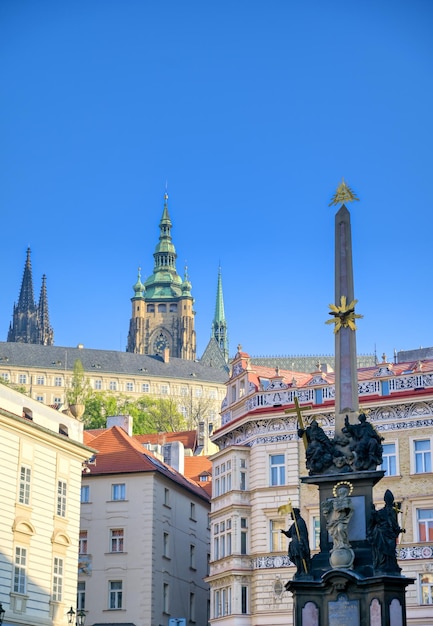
[354, 579]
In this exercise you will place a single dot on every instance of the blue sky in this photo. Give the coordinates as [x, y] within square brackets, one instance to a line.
[252, 112]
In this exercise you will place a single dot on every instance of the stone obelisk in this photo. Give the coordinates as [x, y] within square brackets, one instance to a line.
[346, 374]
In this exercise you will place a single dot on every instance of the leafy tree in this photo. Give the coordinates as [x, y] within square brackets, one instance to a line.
[79, 388]
[149, 414]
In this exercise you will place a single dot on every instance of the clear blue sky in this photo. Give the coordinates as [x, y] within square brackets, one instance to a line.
[252, 111]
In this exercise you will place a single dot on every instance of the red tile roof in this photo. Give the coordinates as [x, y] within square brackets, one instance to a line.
[187, 437]
[118, 453]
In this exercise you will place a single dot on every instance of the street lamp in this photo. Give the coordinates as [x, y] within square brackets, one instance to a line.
[81, 617]
[2, 613]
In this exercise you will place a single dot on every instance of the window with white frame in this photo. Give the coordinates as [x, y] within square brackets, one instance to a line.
[82, 542]
[118, 491]
[223, 478]
[115, 594]
[184, 391]
[222, 601]
[315, 531]
[98, 384]
[422, 456]
[116, 539]
[81, 595]
[25, 481]
[242, 474]
[57, 400]
[113, 385]
[244, 599]
[244, 535]
[184, 411]
[212, 394]
[164, 390]
[426, 588]
[277, 539]
[85, 493]
[166, 496]
[20, 570]
[277, 470]
[389, 459]
[57, 579]
[40, 380]
[192, 513]
[165, 598]
[424, 519]
[61, 498]
[58, 381]
[22, 379]
[145, 387]
[198, 392]
[129, 386]
[5, 376]
[39, 398]
[222, 544]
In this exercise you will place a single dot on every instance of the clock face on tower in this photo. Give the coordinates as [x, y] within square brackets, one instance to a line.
[160, 343]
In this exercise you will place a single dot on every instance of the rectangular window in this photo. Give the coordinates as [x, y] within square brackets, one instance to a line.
[129, 386]
[222, 602]
[40, 380]
[422, 452]
[57, 579]
[244, 600]
[85, 493]
[98, 385]
[184, 391]
[389, 459]
[20, 567]
[244, 535]
[82, 542]
[116, 540]
[118, 491]
[164, 390]
[25, 478]
[22, 379]
[113, 385]
[58, 400]
[223, 482]
[5, 376]
[39, 398]
[165, 598]
[277, 469]
[61, 498]
[426, 588]
[192, 607]
[198, 392]
[166, 496]
[192, 556]
[81, 595]
[277, 539]
[166, 545]
[58, 381]
[425, 524]
[145, 387]
[115, 594]
[192, 511]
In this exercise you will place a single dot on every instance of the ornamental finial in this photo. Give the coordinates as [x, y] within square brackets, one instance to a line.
[343, 194]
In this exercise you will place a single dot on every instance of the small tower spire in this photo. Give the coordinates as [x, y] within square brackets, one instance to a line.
[219, 324]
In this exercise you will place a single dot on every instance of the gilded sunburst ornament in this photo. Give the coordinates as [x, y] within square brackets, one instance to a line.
[343, 315]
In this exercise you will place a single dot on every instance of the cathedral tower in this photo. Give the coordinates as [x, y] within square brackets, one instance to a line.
[162, 306]
[30, 322]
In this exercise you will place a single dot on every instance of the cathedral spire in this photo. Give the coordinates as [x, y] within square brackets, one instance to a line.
[30, 323]
[46, 332]
[219, 324]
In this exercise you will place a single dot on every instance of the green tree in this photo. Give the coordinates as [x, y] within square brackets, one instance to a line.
[79, 388]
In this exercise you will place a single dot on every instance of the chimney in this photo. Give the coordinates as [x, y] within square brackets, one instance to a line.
[123, 421]
[166, 355]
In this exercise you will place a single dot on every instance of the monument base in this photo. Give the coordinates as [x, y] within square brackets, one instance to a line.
[343, 598]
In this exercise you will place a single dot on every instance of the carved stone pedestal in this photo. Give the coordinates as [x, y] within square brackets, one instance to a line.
[343, 598]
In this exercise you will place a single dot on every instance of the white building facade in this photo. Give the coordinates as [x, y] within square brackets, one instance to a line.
[41, 457]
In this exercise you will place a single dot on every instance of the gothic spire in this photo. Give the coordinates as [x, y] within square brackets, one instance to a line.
[46, 332]
[26, 300]
[219, 324]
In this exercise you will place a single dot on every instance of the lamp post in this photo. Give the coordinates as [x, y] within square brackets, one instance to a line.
[81, 617]
[2, 613]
